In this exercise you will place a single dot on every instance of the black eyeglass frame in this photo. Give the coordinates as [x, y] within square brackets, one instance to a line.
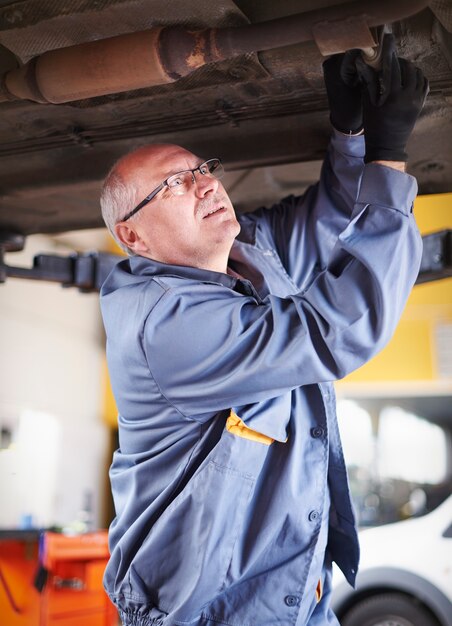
[164, 184]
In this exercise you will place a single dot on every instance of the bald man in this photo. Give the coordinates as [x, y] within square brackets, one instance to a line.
[224, 334]
[198, 231]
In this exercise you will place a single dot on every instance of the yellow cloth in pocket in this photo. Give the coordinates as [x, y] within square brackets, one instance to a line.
[318, 591]
[235, 426]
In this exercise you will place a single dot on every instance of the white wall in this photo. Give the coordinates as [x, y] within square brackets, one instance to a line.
[51, 349]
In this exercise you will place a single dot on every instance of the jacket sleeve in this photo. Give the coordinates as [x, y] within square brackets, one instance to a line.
[304, 229]
[210, 348]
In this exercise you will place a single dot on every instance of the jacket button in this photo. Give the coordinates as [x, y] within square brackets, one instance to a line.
[313, 516]
[291, 600]
[317, 432]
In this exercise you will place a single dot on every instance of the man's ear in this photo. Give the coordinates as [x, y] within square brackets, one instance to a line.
[127, 235]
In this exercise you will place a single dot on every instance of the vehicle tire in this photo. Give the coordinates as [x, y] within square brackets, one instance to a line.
[388, 609]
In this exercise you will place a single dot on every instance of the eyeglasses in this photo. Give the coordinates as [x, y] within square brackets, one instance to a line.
[180, 183]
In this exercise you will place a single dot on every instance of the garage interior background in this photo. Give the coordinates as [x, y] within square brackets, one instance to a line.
[266, 116]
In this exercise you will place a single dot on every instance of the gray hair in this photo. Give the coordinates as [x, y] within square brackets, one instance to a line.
[116, 199]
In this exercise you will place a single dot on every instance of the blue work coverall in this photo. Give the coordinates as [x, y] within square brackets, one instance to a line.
[229, 485]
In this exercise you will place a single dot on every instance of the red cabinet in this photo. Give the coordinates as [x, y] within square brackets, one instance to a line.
[49, 579]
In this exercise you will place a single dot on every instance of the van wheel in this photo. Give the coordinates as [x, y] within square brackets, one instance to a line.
[388, 609]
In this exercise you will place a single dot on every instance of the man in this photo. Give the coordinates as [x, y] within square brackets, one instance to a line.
[223, 337]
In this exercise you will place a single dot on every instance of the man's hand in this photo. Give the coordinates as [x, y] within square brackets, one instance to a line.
[393, 98]
[344, 92]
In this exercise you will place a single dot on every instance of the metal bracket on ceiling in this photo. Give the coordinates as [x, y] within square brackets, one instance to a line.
[333, 37]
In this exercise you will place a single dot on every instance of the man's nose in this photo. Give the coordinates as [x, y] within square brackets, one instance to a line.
[204, 184]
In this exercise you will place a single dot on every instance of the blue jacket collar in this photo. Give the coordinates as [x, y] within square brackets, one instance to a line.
[142, 266]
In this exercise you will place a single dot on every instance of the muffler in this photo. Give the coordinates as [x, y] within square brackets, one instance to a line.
[163, 55]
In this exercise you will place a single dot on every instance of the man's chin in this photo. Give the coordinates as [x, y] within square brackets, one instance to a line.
[235, 227]
[231, 228]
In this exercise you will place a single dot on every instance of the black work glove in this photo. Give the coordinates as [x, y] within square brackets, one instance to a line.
[393, 98]
[344, 92]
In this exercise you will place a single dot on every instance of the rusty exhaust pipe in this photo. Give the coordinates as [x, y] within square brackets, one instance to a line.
[163, 55]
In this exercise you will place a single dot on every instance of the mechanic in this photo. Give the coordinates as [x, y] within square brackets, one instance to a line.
[224, 335]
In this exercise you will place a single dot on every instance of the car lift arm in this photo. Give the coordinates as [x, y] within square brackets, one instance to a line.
[87, 271]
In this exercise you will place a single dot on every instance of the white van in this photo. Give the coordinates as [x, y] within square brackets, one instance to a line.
[405, 576]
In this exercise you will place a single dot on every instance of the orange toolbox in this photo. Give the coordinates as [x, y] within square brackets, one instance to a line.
[49, 579]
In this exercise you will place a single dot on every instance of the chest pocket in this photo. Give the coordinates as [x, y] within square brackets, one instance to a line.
[183, 562]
